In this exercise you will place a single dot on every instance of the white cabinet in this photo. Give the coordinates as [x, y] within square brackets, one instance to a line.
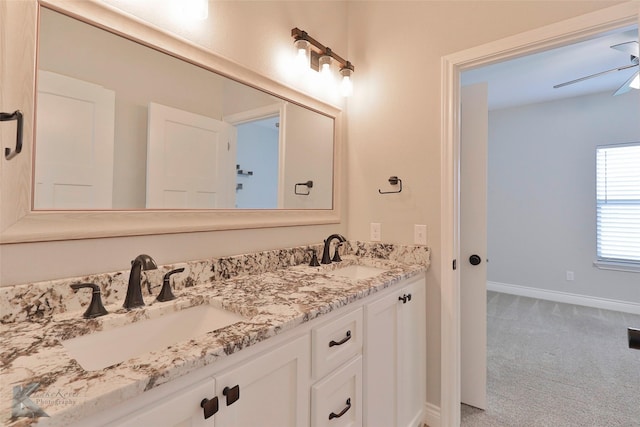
[270, 389]
[364, 363]
[273, 389]
[395, 365]
[336, 398]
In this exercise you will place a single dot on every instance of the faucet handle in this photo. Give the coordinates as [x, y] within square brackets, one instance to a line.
[165, 293]
[336, 253]
[314, 258]
[95, 308]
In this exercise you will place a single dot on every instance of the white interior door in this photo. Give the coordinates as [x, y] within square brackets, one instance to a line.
[190, 160]
[473, 242]
[75, 135]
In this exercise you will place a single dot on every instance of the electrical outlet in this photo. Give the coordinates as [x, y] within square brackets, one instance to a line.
[375, 232]
[570, 276]
[420, 234]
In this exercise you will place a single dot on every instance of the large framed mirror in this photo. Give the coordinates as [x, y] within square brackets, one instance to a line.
[136, 131]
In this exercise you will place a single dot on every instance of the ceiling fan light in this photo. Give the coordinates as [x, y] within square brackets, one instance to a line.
[635, 83]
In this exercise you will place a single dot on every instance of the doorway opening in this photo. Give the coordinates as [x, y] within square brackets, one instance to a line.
[560, 34]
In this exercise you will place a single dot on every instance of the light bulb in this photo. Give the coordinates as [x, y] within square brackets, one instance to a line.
[635, 83]
[325, 64]
[346, 86]
[302, 56]
[195, 9]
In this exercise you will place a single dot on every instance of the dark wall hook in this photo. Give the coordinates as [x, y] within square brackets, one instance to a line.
[393, 180]
[16, 115]
[308, 184]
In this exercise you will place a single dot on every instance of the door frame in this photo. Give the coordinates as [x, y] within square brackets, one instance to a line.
[562, 33]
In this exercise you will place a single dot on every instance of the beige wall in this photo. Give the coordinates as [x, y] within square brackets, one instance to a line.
[394, 115]
[393, 124]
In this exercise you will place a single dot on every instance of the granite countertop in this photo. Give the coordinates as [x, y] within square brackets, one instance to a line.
[272, 302]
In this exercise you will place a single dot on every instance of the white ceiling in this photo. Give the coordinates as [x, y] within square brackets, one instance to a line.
[530, 79]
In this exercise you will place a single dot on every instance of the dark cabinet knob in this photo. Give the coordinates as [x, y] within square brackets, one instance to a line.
[210, 407]
[405, 298]
[232, 393]
[475, 259]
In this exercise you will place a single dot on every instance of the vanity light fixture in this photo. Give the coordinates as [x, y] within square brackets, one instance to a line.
[320, 58]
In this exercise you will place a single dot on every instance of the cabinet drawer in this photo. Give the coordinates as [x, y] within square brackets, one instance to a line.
[336, 342]
[336, 401]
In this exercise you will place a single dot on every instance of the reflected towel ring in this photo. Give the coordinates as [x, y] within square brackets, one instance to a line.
[393, 180]
[308, 184]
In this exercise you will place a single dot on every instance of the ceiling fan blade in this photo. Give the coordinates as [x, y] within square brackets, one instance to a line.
[626, 87]
[594, 75]
[629, 47]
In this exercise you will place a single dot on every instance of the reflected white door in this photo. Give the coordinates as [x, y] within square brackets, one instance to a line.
[75, 132]
[473, 242]
[190, 160]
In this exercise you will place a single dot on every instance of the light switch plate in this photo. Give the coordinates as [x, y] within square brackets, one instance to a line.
[420, 234]
[375, 232]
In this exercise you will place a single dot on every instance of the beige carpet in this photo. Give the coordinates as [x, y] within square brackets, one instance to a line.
[557, 365]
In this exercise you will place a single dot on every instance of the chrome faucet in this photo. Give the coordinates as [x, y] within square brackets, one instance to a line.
[326, 258]
[134, 290]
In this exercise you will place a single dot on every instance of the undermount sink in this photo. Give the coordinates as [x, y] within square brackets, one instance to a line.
[102, 349]
[357, 272]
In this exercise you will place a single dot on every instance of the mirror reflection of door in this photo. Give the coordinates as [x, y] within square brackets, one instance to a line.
[189, 160]
[257, 163]
[75, 131]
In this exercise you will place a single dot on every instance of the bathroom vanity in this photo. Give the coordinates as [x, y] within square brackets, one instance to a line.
[340, 344]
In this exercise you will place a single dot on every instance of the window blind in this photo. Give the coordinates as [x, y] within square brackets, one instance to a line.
[618, 202]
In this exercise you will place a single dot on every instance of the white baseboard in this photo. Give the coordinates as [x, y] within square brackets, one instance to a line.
[431, 415]
[565, 297]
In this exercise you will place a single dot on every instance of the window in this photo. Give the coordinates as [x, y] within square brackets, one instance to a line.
[618, 203]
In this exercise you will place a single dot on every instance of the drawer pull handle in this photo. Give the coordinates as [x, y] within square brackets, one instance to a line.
[344, 411]
[342, 341]
[232, 393]
[210, 407]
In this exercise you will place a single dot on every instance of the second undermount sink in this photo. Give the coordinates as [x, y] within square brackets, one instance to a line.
[102, 349]
[357, 272]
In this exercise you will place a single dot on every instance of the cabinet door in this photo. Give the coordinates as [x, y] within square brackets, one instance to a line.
[272, 389]
[181, 409]
[336, 400]
[395, 365]
[381, 362]
[412, 356]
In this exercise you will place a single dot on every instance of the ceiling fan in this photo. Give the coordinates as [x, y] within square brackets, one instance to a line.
[633, 82]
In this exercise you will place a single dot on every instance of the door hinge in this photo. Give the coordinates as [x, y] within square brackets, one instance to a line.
[228, 146]
[454, 264]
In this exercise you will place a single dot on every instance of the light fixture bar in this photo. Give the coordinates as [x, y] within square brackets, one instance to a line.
[298, 34]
